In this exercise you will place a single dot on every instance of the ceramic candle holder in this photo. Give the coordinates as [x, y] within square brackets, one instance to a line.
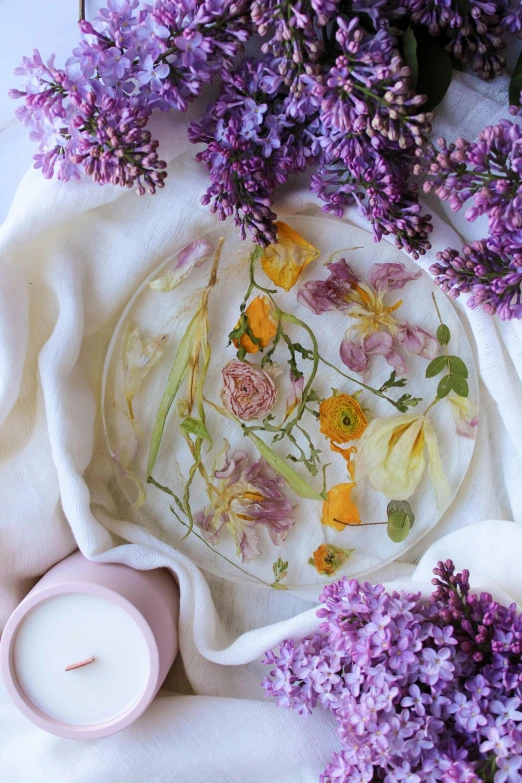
[87, 650]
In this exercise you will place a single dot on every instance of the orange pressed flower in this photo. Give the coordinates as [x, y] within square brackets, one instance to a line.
[341, 418]
[328, 558]
[339, 510]
[284, 261]
[261, 324]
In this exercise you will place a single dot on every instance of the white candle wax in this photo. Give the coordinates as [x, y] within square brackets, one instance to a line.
[68, 629]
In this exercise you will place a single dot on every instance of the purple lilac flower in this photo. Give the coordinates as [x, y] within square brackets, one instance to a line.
[446, 709]
[92, 113]
[248, 498]
[473, 30]
[487, 172]
[252, 147]
[493, 279]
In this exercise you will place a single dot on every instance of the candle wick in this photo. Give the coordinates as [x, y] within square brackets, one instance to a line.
[79, 664]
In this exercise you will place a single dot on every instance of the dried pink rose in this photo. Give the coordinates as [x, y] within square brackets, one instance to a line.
[248, 392]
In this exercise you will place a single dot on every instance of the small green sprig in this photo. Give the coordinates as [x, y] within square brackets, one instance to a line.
[280, 569]
[406, 400]
[456, 377]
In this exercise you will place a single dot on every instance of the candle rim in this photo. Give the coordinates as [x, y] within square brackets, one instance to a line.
[15, 690]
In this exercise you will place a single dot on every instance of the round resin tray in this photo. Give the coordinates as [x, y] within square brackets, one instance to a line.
[232, 512]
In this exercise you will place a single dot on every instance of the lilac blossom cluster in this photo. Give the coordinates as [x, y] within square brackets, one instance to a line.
[358, 119]
[330, 89]
[487, 173]
[256, 136]
[421, 691]
[91, 115]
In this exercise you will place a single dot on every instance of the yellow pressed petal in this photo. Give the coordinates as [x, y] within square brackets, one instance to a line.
[260, 321]
[284, 261]
[401, 471]
[435, 469]
[339, 510]
[373, 445]
[394, 306]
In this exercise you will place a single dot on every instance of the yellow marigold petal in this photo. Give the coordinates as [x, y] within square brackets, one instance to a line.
[339, 510]
[263, 326]
[341, 418]
[284, 261]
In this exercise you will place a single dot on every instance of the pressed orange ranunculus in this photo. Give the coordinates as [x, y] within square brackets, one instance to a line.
[339, 510]
[260, 321]
[284, 261]
[328, 558]
[341, 418]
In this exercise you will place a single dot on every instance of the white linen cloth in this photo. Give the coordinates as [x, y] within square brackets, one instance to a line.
[70, 258]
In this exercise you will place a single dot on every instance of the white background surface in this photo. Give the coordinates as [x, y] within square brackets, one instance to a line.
[70, 258]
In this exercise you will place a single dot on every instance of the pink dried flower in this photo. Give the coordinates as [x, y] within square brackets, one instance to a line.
[248, 392]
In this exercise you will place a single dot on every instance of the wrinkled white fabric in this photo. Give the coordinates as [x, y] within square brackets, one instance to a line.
[70, 258]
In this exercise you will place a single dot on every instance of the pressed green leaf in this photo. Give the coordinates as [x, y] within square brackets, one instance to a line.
[445, 386]
[515, 85]
[435, 71]
[177, 375]
[460, 385]
[278, 586]
[397, 520]
[194, 427]
[301, 487]
[457, 366]
[398, 534]
[400, 506]
[443, 334]
[435, 366]
[409, 53]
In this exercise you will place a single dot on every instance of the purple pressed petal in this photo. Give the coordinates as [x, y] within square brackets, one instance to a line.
[391, 276]
[249, 545]
[353, 356]
[235, 463]
[378, 343]
[416, 340]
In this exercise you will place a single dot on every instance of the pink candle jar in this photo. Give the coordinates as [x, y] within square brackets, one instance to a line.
[88, 648]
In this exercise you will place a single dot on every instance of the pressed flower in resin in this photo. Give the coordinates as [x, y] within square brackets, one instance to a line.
[341, 418]
[328, 558]
[260, 323]
[246, 498]
[375, 328]
[339, 510]
[391, 454]
[284, 261]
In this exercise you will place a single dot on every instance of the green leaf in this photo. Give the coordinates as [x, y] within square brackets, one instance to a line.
[402, 507]
[515, 85]
[457, 366]
[435, 71]
[398, 534]
[178, 374]
[460, 385]
[409, 54]
[397, 520]
[301, 488]
[445, 386]
[278, 586]
[435, 366]
[194, 427]
[443, 334]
